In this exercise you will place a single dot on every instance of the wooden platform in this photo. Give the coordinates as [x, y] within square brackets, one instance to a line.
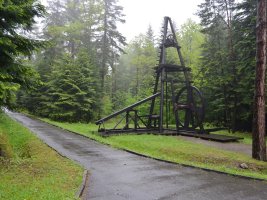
[213, 137]
[210, 136]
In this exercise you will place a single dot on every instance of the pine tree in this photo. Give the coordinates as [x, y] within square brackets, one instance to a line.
[70, 92]
[259, 145]
[244, 33]
[67, 67]
[110, 39]
[16, 17]
[90, 18]
[215, 72]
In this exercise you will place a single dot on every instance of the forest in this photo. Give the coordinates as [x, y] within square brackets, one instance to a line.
[76, 66]
[65, 66]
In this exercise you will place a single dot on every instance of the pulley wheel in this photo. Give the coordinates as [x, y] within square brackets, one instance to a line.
[189, 107]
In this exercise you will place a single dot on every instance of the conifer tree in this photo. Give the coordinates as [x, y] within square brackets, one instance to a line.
[244, 33]
[110, 39]
[259, 145]
[215, 67]
[17, 18]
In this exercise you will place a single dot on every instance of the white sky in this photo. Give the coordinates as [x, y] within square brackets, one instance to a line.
[141, 13]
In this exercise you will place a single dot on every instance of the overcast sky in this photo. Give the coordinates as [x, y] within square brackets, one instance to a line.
[141, 13]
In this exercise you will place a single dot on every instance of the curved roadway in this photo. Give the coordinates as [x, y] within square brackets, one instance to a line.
[118, 175]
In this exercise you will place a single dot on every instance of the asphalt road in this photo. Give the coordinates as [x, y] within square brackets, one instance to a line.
[118, 175]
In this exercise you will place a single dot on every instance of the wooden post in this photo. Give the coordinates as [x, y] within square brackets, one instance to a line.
[259, 146]
[127, 119]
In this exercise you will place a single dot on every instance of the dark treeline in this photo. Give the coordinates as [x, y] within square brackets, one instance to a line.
[87, 70]
[83, 47]
[228, 61]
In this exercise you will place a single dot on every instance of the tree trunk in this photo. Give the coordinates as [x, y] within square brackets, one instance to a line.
[114, 78]
[228, 8]
[259, 146]
[104, 50]
[137, 81]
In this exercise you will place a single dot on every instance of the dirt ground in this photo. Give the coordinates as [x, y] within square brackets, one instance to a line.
[231, 146]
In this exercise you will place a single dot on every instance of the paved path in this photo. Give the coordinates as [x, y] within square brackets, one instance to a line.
[118, 175]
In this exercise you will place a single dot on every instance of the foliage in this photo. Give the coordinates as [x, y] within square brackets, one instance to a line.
[110, 40]
[17, 20]
[245, 36]
[228, 59]
[134, 73]
[70, 93]
[83, 40]
[191, 39]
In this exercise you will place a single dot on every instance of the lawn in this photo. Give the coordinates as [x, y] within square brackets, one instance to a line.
[31, 170]
[247, 136]
[175, 149]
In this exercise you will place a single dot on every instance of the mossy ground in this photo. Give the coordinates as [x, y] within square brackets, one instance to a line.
[29, 169]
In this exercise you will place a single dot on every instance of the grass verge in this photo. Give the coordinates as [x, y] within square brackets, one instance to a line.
[177, 150]
[247, 136]
[29, 169]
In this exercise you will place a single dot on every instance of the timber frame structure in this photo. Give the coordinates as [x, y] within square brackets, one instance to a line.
[173, 88]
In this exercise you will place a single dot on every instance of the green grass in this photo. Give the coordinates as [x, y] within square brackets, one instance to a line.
[247, 136]
[177, 150]
[32, 170]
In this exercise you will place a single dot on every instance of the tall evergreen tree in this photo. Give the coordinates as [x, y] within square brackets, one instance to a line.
[16, 17]
[90, 18]
[259, 145]
[229, 58]
[215, 72]
[72, 90]
[68, 70]
[110, 39]
[244, 33]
